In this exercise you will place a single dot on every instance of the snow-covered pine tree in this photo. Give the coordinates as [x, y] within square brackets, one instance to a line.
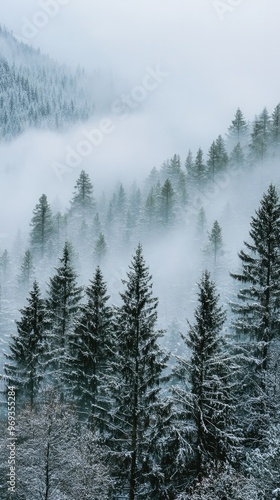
[82, 205]
[100, 248]
[207, 384]
[24, 368]
[257, 312]
[199, 170]
[275, 131]
[215, 242]
[41, 228]
[260, 137]
[62, 303]
[91, 349]
[238, 130]
[135, 385]
[167, 202]
[27, 270]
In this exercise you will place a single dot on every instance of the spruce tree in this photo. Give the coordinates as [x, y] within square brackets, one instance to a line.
[138, 373]
[25, 368]
[275, 131]
[208, 399]
[100, 248]
[82, 204]
[238, 129]
[167, 203]
[91, 349]
[199, 170]
[27, 270]
[215, 241]
[63, 298]
[257, 317]
[260, 137]
[41, 228]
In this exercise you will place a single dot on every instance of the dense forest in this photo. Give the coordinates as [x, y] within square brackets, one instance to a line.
[118, 395]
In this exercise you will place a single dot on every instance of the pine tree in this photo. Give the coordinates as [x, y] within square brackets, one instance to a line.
[275, 130]
[208, 400]
[257, 310]
[91, 349]
[27, 270]
[222, 156]
[215, 243]
[25, 367]
[237, 157]
[42, 228]
[212, 162]
[167, 203]
[217, 158]
[238, 129]
[199, 170]
[135, 386]
[62, 304]
[100, 248]
[260, 137]
[83, 204]
[189, 164]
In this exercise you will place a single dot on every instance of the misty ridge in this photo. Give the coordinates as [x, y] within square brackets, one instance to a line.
[154, 338]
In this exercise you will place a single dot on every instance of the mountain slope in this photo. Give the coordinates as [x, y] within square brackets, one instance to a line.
[37, 92]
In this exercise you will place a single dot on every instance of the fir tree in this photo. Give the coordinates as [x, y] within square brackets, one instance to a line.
[260, 137]
[135, 386]
[238, 129]
[167, 203]
[275, 130]
[27, 270]
[91, 348]
[83, 204]
[257, 310]
[215, 241]
[208, 399]
[62, 304]
[100, 248]
[41, 227]
[25, 367]
[199, 170]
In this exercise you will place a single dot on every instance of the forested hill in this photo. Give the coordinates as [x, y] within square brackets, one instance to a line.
[37, 92]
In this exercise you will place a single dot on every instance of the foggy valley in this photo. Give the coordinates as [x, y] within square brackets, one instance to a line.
[139, 250]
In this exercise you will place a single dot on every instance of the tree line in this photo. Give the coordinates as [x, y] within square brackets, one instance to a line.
[205, 428]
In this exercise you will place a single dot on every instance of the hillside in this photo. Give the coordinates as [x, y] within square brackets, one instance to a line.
[37, 92]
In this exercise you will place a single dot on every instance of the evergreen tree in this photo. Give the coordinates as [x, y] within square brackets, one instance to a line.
[238, 129]
[257, 310]
[41, 227]
[83, 204]
[167, 203]
[260, 136]
[137, 367]
[25, 367]
[217, 158]
[222, 156]
[62, 304]
[4, 266]
[212, 162]
[237, 157]
[215, 243]
[91, 348]
[208, 400]
[275, 130]
[100, 248]
[189, 165]
[199, 170]
[27, 270]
